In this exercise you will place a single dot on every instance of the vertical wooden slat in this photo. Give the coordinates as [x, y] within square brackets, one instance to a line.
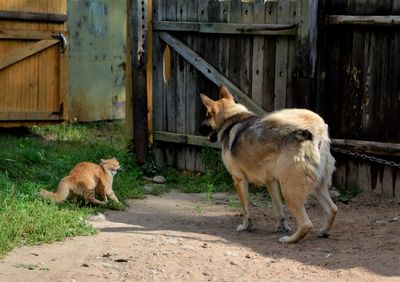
[191, 90]
[271, 14]
[247, 16]
[180, 96]
[224, 42]
[257, 74]
[159, 100]
[235, 46]
[208, 48]
[291, 68]
[388, 182]
[281, 60]
[172, 88]
[364, 180]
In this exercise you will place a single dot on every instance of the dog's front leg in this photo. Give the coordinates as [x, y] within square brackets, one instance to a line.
[241, 186]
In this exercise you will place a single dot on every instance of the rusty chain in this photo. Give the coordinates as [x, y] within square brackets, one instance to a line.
[366, 157]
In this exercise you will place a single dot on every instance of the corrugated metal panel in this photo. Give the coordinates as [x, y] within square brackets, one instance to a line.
[97, 59]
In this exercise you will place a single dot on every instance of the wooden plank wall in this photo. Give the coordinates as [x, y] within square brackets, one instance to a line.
[358, 88]
[21, 83]
[261, 66]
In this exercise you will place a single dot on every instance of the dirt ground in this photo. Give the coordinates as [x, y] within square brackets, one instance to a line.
[182, 237]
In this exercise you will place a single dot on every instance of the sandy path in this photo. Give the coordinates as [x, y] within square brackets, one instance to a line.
[181, 237]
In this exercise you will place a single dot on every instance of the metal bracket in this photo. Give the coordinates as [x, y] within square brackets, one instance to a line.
[63, 40]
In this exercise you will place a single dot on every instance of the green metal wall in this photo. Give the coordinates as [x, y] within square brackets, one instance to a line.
[97, 36]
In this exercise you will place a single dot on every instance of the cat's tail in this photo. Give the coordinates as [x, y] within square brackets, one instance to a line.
[61, 194]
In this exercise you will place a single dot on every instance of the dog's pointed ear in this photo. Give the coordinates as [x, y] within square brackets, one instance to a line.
[208, 102]
[224, 92]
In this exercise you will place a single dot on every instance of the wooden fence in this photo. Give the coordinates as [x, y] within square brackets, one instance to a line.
[249, 46]
[358, 88]
[268, 54]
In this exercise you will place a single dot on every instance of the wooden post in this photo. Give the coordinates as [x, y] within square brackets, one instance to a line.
[307, 12]
[138, 25]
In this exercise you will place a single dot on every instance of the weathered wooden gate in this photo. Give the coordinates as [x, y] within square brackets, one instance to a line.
[267, 53]
[251, 46]
[33, 61]
[358, 89]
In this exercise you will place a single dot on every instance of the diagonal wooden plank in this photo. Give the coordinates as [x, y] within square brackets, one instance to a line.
[24, 52]
[209, 71]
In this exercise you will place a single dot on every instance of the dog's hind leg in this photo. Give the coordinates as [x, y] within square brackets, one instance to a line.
[330, 208]
[274, 193]
[295, 194]
[322, 194]
[241, 186]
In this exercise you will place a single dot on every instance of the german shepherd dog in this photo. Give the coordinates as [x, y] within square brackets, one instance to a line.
[287, 149]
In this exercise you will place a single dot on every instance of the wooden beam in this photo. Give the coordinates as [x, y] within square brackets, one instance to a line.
[227, 28]
[181, 138]
[210, 72]
[376, 148]
[37, 17]
[362, 20]
[30, 116]
[24, 52]
[138, 16]
[27, 34]
[368, 147]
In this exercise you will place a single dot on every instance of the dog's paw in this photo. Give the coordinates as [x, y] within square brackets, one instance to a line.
[285, 239]
[322, 233]
[246, 225]
[242, 227]
[283, 228]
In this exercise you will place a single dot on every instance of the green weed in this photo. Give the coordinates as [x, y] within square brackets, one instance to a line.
[348, 192]
[210, 190]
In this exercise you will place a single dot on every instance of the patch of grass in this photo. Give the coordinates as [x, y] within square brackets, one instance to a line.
[348, 192]
[39, 157]
[233, 203]
[210, 190]
[31, 266]
[198, 209]
[215, 176]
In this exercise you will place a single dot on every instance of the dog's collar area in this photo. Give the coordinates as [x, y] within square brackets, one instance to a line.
[213, 136]
[234, 120]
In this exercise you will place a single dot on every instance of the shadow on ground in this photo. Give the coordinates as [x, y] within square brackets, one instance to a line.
[365, 235]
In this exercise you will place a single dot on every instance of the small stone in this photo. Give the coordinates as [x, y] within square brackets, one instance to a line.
[99, 217]
[148, 188]
[159, 179]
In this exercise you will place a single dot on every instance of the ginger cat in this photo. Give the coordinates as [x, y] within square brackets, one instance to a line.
[86, 179]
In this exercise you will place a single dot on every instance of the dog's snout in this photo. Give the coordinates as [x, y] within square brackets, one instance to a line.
[205, 128]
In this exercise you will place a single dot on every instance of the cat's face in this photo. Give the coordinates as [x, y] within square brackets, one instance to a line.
[111, 165]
